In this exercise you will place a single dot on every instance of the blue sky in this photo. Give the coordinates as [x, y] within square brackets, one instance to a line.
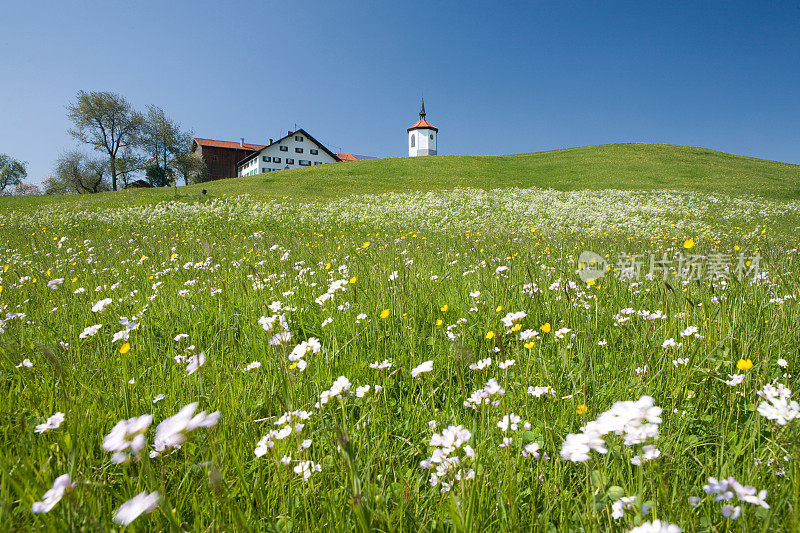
[498, 77]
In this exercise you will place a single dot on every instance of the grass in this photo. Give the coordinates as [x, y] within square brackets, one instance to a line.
[420, 283]
[612, 166]
[211, 269]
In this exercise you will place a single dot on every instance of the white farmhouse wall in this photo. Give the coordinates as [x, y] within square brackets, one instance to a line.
[288, 159]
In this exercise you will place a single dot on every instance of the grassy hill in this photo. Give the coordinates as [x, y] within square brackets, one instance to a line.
[611, 166]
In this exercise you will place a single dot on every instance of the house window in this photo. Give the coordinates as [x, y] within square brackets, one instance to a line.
[265, 159]
[289, 161]
[304, 163]
[263, 169]
[298, 138]
[317, 163]
[284, 148]
[314, 151]
[412, 141]
[276, 159]
[431, 136]
[298, 150]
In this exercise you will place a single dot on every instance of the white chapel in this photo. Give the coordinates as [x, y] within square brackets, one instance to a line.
[422, 136]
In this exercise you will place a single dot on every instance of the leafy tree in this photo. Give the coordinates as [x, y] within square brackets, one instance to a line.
[158, 176]
[163, 141]
[26, 189]
[106, 122]
[191, 167]
[12, 172]
[128, 164]
[77, 173]
[55, 185]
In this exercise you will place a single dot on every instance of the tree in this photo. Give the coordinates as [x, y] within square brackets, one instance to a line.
[12, 172]
[191, 167]
[75, 172]
[107, 123]
[157, 176]
[26, 189]
[163, 140]
[127, 165]
[55, 185]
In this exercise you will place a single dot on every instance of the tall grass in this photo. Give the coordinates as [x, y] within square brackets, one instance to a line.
[211, 274]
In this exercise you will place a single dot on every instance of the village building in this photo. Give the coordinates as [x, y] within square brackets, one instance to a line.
[422, 136]
[297, 149]
[221, 157]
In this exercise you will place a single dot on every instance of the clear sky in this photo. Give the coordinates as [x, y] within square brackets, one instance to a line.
[498, 77]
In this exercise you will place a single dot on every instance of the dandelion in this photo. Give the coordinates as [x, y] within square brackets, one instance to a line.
[52, 422]
[61, 487]
[427, 366]
[138, 505]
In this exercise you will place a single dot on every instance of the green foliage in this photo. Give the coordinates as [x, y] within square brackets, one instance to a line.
[76, 173]
[12, 171]
[106, 122]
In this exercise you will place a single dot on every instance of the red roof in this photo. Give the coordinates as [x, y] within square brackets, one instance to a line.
[228, 144]
[423, 124]
[346, 157]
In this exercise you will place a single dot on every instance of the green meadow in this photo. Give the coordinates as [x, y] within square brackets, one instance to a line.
[409, 345]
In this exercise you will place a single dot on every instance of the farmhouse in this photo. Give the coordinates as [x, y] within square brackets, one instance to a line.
[296, 149]
[221, 156]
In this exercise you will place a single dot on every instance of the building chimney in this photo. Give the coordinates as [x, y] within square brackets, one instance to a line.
[241, 143]
[270, 141]
[290, 132]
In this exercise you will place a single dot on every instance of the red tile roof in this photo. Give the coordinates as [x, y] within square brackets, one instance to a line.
[346, 157]
[228, 144]
[423, 124]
